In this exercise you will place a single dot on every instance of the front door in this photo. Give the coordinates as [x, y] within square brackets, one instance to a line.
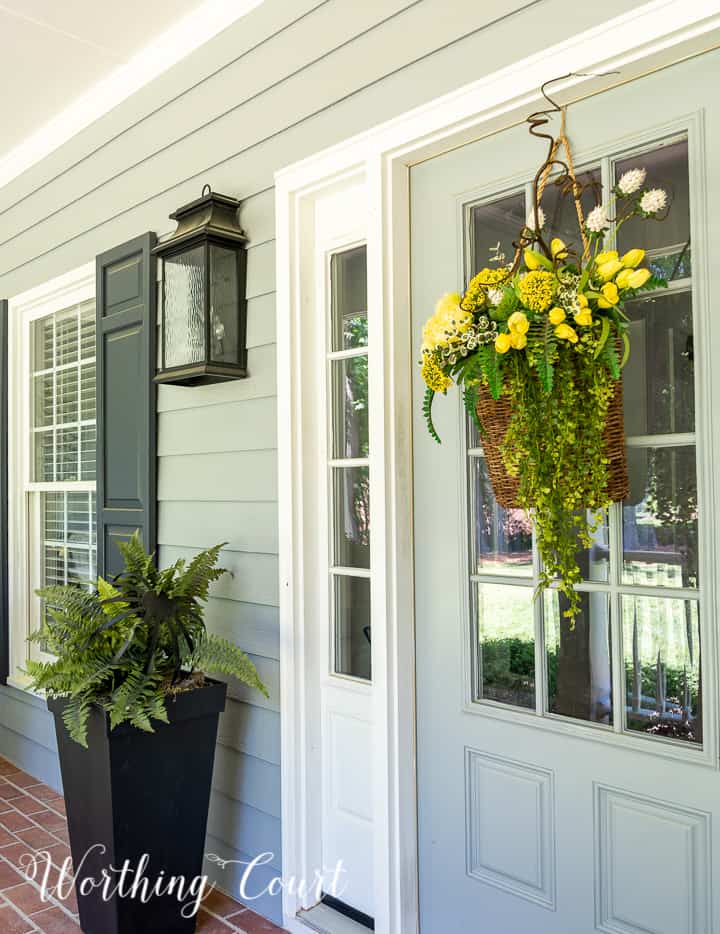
[568, 779]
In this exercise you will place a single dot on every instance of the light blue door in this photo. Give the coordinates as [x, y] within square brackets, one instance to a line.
[568, 780]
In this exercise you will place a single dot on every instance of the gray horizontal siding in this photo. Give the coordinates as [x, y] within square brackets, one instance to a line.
[290, 78]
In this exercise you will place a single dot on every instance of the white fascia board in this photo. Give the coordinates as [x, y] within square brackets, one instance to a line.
[189, 33]
[651, 35]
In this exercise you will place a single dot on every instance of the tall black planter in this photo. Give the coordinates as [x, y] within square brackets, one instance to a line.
[140, 793]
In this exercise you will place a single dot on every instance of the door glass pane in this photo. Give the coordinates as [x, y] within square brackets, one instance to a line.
[348, 271]
[661, 648]
[506, 644]
[659, 382]
[351, 487]
[667, 240]
[660, 532]
[579, 673]
[559, 208]
[352, 626]
[350, 407]
[501, 538]
[493, 228]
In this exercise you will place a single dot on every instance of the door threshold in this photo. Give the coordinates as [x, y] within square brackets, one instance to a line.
[326, 920]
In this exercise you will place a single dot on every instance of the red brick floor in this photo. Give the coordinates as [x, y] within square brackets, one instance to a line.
[32, 817]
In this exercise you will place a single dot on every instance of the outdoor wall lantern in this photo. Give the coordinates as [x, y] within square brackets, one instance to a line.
[203, 308]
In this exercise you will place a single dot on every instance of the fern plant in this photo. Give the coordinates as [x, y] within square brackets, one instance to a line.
[130, 644]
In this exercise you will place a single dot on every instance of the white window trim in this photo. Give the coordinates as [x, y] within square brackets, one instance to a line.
[650, 37]
[72, 288]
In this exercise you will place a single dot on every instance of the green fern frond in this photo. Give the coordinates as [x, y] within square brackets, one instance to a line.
[219, 656]
[427, 413]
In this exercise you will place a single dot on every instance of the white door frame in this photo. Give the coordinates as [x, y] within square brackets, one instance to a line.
[379, 161]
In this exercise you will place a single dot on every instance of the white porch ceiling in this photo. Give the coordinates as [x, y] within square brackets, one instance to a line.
[79, 58]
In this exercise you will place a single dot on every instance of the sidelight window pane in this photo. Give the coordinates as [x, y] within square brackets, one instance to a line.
[506, 644]
[353, 634]
[660, 531]
[579, 671]
[659, 383]
[661, 649]
[351, 486]
[348, 272]
[350, 407]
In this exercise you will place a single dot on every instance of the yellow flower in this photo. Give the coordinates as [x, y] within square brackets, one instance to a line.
[607, 257]
[633, 258]
[622, 280]
[532, 259]
[502, 343]
[556, 316]
[566, 333]
[607, 270]
[447, 324]
[558, 249]
[518, 340]
[476, 296]
[518, 322]
[536, 290]
[582, 300]
[584, 317]
[432, 374]
[639, 278]
[610, 296]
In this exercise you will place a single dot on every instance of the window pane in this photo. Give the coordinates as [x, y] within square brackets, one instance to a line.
[348, 271]
[224, 322]
[660, 534]
[63, 394]
[350, 407]
[351, 486]
[184, 307]
[578, 660]
[352, 626]
[658, 385]
[506, 644]
[662, 667]
[667, 241]
[501, 538]
[493, 228]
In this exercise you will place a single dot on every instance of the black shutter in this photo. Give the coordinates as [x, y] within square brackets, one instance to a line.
[126, 411]
[4, 617]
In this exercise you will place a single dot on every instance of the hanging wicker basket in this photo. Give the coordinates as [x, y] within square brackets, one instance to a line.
[494, 416]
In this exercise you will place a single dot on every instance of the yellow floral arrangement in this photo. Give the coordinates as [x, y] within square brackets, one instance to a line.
[549, 333]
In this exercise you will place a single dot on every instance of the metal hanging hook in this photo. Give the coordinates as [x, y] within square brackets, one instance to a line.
[207, 190]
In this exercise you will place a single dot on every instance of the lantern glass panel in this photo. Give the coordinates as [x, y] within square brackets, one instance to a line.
[184, 308]
[224, 305]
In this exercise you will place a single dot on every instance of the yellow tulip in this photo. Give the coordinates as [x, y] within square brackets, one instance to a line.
[518, 322]
[582, 300]
[622, 280]
[558, 248]
[607, 270]
[518, 340]
[639, 278]
[532, 259]
[556, 315]
[584, 317]
[502, 343]
[566, 333]
[610, 295]
[607, 257]
[633, 258]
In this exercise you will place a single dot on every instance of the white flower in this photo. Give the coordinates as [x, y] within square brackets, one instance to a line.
[653, 201]
[597, 219]
[494, 296]
[632, 181]
[530, 222]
